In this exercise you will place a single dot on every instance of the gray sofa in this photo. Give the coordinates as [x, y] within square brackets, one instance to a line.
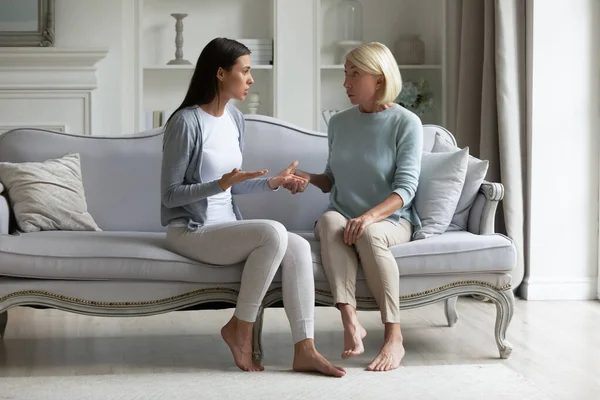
[125, 270]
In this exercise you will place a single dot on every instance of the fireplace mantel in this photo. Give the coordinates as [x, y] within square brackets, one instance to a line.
[49, 68]
[56, 83]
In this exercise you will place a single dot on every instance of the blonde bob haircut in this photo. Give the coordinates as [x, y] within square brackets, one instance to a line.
[376, 59]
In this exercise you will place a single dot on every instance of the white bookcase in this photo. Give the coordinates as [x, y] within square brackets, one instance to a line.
[306, 75]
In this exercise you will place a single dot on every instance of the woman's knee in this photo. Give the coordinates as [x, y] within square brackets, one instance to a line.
[371, 237]
[331, 223]
[273, 232]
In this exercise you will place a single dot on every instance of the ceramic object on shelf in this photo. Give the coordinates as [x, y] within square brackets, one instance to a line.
[253, 100]
[409, 50]
[179, 60]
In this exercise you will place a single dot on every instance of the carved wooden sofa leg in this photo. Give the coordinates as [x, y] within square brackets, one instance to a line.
[257, 350]
[451, 311]
[3, 323]
[505, 304]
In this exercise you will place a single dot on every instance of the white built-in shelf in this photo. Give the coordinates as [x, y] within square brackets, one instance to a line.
[384, 21]
[161, 87]
[281, 87]
[420, 66]
[191, 67]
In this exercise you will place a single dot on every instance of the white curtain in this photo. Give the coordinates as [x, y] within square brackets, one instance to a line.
[487, 100]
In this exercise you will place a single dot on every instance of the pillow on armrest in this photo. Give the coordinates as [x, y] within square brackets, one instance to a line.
[440, 185]
[4, 216]
[476, 172]
[47, 195]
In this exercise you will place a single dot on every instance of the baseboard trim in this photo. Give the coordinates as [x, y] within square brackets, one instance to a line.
[559, 288]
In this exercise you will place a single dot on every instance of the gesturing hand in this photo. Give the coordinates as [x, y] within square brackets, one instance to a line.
[296, 186]
[237, 176]
[355, 227]
[286, 178]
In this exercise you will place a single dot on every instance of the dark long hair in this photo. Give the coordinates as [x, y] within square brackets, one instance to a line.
[203, 88]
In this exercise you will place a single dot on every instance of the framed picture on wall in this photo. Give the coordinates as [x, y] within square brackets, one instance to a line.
[26, 23]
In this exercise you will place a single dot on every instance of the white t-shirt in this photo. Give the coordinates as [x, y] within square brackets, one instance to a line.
[220, 154]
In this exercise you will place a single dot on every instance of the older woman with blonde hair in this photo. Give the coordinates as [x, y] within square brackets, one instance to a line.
[372, 173]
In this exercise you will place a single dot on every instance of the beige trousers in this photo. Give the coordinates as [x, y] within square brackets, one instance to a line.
[341, 261]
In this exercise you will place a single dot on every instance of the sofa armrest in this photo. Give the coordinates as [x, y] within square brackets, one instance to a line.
[483, 210]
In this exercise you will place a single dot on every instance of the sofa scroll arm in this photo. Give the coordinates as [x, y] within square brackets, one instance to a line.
[483, 210]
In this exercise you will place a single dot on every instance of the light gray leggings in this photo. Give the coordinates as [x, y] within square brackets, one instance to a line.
[264, 245]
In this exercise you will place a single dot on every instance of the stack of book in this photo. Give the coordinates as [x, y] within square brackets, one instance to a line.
[261, 49]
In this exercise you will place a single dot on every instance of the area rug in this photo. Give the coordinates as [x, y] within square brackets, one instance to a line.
[465, 382]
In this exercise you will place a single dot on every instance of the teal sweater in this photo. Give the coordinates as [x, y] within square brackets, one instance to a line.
[372, 155]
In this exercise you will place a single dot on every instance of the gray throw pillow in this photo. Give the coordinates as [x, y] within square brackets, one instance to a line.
[476, 172]
[440, 185]
[47, 195]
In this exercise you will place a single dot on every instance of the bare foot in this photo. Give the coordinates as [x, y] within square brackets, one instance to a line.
[238, 336]
[308, 359]
[389, 357]
[354, 333]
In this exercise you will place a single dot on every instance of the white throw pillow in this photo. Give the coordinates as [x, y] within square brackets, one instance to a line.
[476, 172]
[47, 195]
[440, 185]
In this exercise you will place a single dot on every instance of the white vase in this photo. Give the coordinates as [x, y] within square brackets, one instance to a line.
[409, 50]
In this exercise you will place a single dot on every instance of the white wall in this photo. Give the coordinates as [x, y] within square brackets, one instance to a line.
[564, 131]
[103, 23]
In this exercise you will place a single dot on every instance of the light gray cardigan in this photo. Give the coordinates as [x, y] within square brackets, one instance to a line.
[184, 197]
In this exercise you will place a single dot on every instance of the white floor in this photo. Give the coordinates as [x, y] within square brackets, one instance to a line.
[556, 344]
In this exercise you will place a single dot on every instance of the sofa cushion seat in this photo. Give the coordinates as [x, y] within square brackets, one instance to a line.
[450, 253]
[143, 256]
[104, 256]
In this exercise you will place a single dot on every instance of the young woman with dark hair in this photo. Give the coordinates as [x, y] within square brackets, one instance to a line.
[202, 157]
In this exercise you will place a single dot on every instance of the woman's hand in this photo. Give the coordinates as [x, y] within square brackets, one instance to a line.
[355, 227]
[287, 178]
[237, 176]
[296, 186]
